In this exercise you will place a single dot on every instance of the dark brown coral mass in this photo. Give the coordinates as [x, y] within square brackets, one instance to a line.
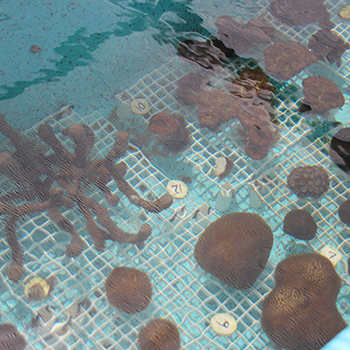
[128, 289]
[170, 130]
[328, 46]
[300, 224]
[301, 12]
[344, 212]
[159, 334]
[321, 94]
[216, 107]
[300, 311]
[235, 248]
[308, 181]
[340, 149]
[284, 60]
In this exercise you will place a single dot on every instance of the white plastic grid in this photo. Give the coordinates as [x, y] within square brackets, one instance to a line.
[182, 291]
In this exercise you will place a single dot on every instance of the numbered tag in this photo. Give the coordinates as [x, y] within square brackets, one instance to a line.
[332, 254]
[223, 324]
[139, 106]
[177, 189]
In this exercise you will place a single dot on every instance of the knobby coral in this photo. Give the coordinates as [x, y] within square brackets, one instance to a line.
[57, 180]
[300, 311]
[308, 181]
[284, 60]
[328, 46]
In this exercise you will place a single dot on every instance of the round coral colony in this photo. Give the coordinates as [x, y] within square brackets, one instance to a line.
[128, 289]
[159, 334]
[300, 224]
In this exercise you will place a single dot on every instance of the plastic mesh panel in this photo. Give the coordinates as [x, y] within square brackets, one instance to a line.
[182, 291]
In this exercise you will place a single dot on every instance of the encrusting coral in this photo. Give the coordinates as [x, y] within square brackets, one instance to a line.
[328, 46]
[56, 180]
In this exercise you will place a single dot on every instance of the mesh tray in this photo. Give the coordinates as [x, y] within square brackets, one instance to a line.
[182, 291]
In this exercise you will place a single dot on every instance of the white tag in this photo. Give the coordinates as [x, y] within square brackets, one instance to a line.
[332, 254]
[139, 106]
[177, 189]
[223, 324]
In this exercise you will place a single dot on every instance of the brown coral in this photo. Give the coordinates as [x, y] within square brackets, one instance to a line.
[308, 181]
[189, 88]
[235, 248]
[300, 224]
[170, 130]
[128, 289]
[284, 60]
[159, 334]
[300, 311]
[216, 107]
[321, 94]
[244, 38]
[36, 173]
[328, 46]
[301, 12]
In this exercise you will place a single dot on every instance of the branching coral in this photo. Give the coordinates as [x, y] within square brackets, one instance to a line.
[57, 180]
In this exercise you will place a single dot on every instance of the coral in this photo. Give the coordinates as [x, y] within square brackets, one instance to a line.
[235, 248]
[321, 94]
[57, 181]
[328, 46]
[159, 334]
[253, 83]
[284, 60]
[301, 12]
[203, 53]
[308, 181]
[300, 311]
[340, 149]
[189, 88]
[258, 132]
[300, 224]
[128, 289]
[344, 212]
[216, 107]
[170, 130]
[38, 288]
[244, 38]
[11, 338]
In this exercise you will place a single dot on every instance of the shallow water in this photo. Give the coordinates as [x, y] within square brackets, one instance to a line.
[100, 57]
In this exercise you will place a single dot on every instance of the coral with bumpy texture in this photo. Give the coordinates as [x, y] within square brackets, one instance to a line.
[308, 181]
[300, 311]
